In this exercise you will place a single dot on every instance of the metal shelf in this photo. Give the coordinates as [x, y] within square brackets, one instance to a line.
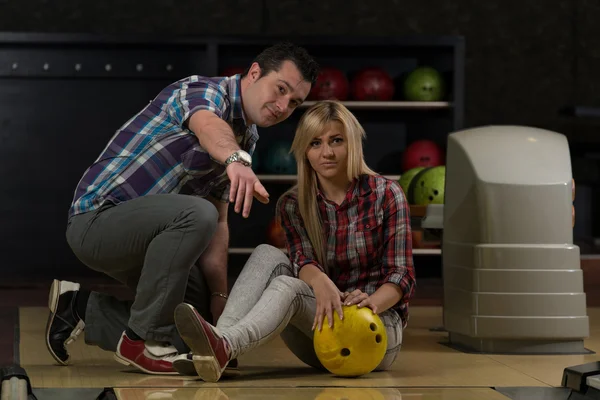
[249, 250]
[293, 178]
[382, 105]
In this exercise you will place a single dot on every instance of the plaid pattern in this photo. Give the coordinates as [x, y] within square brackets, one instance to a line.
[154, 152]
[369, 239]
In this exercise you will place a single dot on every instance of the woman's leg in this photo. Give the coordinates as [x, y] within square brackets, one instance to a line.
[295, 325]
[264, 264]
[285, 299]
[300, 342]
[393, 327]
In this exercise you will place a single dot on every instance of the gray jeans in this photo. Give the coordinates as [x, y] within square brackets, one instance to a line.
[267, 301]
[152, 245]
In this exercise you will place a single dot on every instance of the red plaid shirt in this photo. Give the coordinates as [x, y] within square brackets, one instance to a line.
[368, 238]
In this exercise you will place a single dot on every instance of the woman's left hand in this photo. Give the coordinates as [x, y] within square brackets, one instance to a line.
[360, 298]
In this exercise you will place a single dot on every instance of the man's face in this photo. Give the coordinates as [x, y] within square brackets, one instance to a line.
[271, 99]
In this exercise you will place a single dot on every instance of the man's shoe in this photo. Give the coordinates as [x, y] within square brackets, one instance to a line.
[149, 357]
[184, 364]
[63, 325]
[208, 348]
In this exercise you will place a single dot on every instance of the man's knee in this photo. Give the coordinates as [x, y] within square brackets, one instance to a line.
[202, 215]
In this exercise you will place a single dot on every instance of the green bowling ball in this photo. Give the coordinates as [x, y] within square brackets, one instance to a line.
[428, 186]
[424, 84]
[407, 177]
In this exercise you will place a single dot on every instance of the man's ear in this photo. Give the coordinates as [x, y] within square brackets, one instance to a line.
[254, 73]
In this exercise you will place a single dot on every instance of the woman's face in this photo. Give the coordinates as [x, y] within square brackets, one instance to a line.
[328, 153]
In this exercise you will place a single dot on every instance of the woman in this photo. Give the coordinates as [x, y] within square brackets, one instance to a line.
[348, 240]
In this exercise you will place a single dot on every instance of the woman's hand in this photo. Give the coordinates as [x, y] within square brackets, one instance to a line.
[329, 298]
[360, 298]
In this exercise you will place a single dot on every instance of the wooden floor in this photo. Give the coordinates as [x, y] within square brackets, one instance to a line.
[426, 369]
[310, 393]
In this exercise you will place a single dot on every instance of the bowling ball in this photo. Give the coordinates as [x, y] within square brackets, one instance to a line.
[275, 234]
[355, 345]
[342, 393]
[372, 84]
[331, 84]
[407, 177]
[422, 153]
[424, 84]
[428, 186]
[278, 159]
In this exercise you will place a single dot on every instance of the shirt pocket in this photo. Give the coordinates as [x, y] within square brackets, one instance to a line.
[368, 240]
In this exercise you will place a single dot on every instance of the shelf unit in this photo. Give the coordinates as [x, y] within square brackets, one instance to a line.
[249, 250]
[389, 105]
[37, 69]
[293, 178]
[390, 125]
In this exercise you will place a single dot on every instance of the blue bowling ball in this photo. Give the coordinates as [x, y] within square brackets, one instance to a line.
[277, 159]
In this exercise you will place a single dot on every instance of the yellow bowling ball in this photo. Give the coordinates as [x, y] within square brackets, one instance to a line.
[354, 346]
[359, 394]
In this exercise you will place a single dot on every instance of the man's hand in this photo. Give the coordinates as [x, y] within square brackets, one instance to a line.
[216, 136]
[244, 186]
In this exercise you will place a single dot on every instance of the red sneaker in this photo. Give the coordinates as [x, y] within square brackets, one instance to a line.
[208, 346]
[149, 357]
[184, 364]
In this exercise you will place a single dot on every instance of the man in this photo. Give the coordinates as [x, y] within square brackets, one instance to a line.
[151, 211]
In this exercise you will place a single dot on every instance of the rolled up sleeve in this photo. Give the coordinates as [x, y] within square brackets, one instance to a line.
[397, 254]
[299, 249]
[195, 96]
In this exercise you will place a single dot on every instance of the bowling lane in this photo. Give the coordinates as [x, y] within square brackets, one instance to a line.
[310, 394]
[423, 362]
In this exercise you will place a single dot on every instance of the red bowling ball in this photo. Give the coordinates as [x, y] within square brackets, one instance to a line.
[422, 153]
[372, 84]
[331, 84]
[275, 234]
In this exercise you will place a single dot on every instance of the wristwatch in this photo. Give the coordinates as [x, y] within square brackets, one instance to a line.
[240, 156]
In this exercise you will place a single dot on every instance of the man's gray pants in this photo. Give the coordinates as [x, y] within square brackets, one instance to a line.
[152, 245]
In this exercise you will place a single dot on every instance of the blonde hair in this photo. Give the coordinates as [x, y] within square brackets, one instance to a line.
[313, 124]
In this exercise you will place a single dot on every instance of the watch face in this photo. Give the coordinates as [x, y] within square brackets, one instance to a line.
[245, 157]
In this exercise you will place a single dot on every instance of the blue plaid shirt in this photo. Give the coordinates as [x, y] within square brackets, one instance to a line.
[155, 152]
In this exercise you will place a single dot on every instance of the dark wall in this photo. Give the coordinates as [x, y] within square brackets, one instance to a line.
[525, 59]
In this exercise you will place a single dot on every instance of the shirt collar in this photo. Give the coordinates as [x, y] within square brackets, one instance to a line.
[360, 187]
[367, 184]
[235, 94]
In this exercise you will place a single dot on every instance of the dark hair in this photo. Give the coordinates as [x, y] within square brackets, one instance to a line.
[271, 58]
